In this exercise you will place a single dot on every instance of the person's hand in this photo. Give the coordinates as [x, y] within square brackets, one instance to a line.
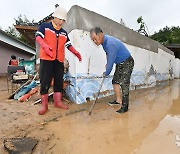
[47, 49]
[104, 74]
[76, 53]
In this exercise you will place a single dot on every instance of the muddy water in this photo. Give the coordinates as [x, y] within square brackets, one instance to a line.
[152, 125]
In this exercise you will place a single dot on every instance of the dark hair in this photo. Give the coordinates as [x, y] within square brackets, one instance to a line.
[13, 56]
[96, 30]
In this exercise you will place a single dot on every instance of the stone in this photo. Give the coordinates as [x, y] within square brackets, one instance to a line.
[20, 145]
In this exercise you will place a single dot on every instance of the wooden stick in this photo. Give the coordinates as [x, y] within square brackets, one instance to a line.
[96, 96]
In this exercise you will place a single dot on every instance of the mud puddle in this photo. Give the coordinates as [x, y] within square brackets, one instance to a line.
[152, 125]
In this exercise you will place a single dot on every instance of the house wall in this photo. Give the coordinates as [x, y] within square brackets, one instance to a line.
[150, 67]
[5, 54]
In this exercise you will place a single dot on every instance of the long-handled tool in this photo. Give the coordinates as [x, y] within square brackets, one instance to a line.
[96, 96]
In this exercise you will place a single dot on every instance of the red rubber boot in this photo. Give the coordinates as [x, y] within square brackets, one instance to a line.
[44, 101]
[58, 101]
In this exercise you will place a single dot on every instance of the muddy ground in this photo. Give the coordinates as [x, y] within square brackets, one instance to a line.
[152, 124]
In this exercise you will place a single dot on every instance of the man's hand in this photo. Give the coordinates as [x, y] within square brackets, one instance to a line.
[104, 74]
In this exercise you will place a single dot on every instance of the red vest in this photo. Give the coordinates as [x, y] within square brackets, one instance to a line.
[14, 62]
[56, 43]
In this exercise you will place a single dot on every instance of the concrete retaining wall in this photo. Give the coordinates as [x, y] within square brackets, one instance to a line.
[83, 19]
[153, 61]
[150, 68]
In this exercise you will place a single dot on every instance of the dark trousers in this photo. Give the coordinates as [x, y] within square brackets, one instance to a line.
[48, 70]
[122, 77]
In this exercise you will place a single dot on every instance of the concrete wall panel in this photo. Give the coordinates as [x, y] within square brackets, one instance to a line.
[86, 76]
[177, 68]
[83, 19]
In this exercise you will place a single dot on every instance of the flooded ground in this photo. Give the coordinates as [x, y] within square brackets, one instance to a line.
[152, 124]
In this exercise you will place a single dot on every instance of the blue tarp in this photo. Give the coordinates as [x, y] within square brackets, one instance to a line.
[25, 90]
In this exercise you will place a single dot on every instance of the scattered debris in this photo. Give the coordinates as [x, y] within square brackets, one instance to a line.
[28, 95]
[20, 145]
[26, 83]
[24, 90]
[12, 95]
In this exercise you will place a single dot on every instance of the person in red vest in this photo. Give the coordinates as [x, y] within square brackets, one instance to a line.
[53, 39]
[13, 61]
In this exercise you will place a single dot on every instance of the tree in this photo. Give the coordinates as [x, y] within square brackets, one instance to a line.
[13, 32]
[167, 35]
[23, 20]
[143, 28]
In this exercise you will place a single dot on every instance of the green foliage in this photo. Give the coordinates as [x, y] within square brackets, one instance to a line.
[13, 32]
[143, 28]
[22, 20]
[139, 20]
[167, 35]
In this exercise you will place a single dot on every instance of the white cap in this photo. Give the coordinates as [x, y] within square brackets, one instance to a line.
[60, 13]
